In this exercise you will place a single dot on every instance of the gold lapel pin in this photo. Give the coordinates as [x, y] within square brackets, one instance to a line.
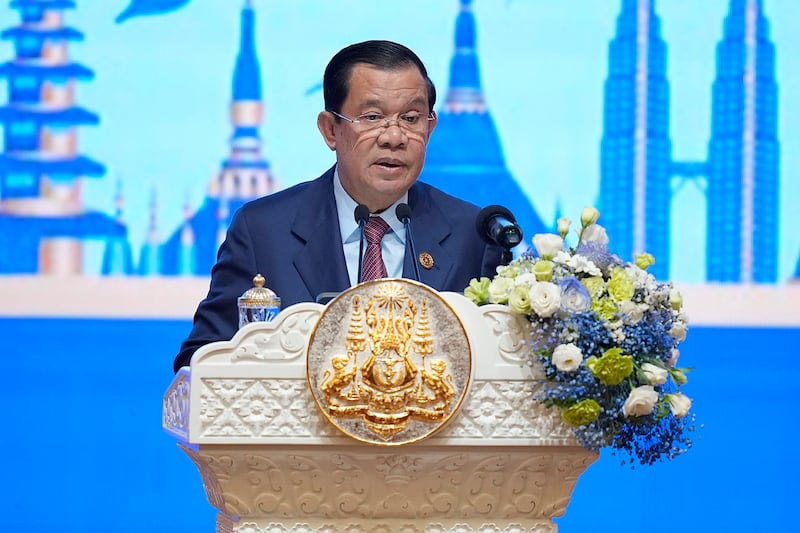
[426, 260]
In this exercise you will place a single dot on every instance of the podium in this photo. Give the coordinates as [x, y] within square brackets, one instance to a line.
[271, 460]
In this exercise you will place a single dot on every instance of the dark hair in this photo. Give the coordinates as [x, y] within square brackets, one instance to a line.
[385, 55]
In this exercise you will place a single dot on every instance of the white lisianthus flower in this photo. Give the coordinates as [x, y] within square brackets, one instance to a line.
[519, 300]
[528, 278]
[678, 331]
[581, 264]
[547, 245]
[508, 271]
[562, 226]
[589, 215]
[637, 275]
[673, 359]
[499, 289]
[594, 233]
[640, 401]
[675, 300]
[567, 357]
[679, 404]
[631, 312]
[545, 298]
[655, 375]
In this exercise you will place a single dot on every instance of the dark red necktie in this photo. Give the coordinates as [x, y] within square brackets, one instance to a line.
[373, 267]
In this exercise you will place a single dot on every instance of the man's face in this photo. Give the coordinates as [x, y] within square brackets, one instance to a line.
[377, 166]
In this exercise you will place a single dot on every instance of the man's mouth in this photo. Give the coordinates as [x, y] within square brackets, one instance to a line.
[389, 163]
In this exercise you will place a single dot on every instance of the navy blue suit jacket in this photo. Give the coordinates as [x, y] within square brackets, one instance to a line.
[292, 238]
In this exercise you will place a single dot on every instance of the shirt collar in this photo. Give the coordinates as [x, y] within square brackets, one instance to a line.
[346, 206]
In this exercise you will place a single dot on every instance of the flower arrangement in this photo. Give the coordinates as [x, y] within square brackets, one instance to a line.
[606, 334]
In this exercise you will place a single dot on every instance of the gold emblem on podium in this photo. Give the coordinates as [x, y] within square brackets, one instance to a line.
[389, 362]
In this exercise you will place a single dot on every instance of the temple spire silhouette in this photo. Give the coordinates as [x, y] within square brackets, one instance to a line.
[244, 174]
[464, 155]
[117, 256]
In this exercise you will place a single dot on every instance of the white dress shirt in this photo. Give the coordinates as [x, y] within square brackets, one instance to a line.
[393, 245]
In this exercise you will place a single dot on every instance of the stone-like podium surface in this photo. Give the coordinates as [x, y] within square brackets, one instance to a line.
[270, 461]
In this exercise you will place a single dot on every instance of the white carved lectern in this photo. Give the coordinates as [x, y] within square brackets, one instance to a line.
[270, 461]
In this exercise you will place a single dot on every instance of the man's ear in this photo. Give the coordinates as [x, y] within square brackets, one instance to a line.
[325, 123]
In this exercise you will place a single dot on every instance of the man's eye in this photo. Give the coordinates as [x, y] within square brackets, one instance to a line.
[410, 119]
[372, 117]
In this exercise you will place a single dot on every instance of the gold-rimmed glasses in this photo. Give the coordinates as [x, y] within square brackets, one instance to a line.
[410, 122]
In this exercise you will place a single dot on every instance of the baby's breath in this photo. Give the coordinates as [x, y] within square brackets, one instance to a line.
[620, 318]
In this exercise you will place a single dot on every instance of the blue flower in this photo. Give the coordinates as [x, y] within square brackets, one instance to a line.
[574, 296]
[598, 254]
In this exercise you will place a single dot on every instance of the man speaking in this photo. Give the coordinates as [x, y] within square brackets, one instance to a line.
[306, 240]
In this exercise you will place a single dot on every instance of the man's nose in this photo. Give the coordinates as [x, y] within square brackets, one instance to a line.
[392, 135]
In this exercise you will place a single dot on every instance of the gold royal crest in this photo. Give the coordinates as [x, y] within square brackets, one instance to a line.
[389, 362]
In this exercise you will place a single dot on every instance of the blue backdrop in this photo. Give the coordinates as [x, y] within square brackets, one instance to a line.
[82, 437]
[122, 158]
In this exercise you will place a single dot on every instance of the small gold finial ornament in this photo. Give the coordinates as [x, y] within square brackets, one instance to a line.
[258, 303]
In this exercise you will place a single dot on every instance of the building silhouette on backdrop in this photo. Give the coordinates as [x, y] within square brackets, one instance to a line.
[740, 177]
[43, 224]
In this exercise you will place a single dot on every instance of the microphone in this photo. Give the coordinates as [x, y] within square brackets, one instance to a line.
[361, 215]
[496, 224]
[403, 213]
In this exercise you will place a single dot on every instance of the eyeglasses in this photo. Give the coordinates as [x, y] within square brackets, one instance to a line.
[411, 122]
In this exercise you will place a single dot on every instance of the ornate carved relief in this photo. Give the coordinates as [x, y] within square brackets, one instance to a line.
[259, 408]
[175, 411]
[284, 338]
[284, 408]
[396, 526]
[324, 482]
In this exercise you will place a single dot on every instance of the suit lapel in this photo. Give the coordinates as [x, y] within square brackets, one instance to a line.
[320, 263]
[429, 227]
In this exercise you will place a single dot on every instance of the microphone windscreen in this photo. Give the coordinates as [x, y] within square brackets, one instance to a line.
[485, 217]
[361, 214]
[403, 212]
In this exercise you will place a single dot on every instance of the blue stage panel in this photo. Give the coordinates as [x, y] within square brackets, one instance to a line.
[83, 440]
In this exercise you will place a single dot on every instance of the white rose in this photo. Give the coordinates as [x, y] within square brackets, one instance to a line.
[499, 290]
[567, 357]
[673, 359]
[655, 375]
[594, 233]
[545, 298]
[678, 331]
[640, 401]
[547, 245]
[679, 404]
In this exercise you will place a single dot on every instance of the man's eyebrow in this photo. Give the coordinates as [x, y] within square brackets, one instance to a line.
[419, 100]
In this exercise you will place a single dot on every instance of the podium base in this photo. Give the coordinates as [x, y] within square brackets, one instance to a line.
[420, 488]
